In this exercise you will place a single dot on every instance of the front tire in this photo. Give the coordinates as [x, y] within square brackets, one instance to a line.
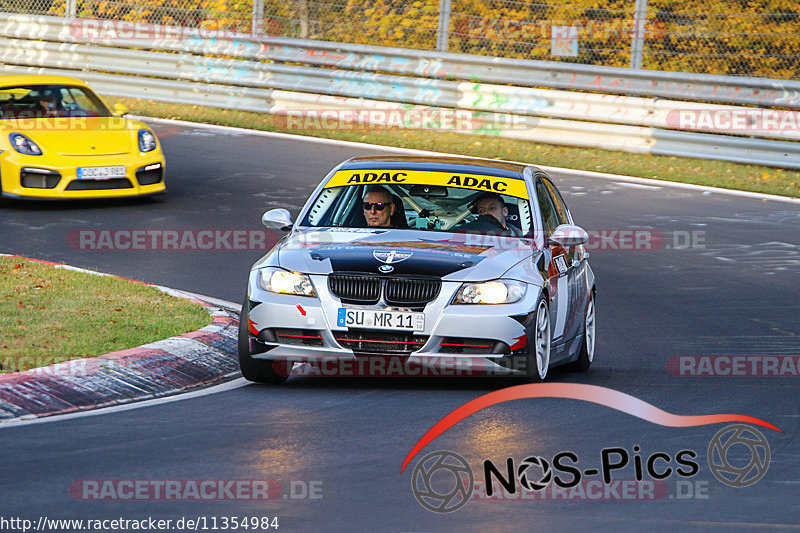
[586, 355]
[538, 357]
[254, 370]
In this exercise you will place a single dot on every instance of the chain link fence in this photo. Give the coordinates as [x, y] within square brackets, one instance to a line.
[375, 22]
[26, 7]
[551, 32]
[728, 37]
[744, 38]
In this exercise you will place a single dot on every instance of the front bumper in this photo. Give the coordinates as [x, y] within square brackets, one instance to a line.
[12, 165]
[464, 338]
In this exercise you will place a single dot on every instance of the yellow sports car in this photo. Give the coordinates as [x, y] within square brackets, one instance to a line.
[59, 140]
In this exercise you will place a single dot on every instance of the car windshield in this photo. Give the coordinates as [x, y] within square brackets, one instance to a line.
[428, 201]
[44, 101]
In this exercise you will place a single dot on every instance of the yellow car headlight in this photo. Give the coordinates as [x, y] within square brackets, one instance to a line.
[147, 141]
[504, 291]
[23, 144]
[282, 281]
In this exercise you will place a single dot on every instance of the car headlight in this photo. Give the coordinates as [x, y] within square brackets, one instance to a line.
[285, 282]
[504, 291]
[24, 145]
[147, 141]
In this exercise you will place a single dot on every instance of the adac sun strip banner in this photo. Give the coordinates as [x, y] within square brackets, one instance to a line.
[478, 182]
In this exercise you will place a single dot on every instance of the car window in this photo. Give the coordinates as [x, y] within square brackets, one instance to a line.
[558, 203]
[25, 101]
[428, 201]
[548, 212]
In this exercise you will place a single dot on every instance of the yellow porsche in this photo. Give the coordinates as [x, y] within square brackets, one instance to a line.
[59, 140]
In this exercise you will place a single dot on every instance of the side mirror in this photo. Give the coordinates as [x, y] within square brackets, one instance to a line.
[277, 219]
[568, 235]
[120, 110]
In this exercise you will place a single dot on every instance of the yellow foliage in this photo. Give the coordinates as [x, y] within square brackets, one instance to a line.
[739, 37]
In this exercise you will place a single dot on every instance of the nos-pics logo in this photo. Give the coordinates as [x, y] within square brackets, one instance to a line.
[735, 473]
[443, 481]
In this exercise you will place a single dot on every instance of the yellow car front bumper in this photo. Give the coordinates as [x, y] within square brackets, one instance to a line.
[56, 176]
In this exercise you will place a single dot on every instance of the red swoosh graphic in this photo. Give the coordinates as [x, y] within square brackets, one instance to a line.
[576, 391]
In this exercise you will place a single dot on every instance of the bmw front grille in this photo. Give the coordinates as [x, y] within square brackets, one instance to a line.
[400, 291]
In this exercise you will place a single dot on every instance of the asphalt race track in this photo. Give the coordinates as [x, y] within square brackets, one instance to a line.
[722, 281]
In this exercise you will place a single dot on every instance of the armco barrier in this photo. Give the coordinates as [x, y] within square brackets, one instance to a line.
[474, 96]
[418, 63]
[176, 67]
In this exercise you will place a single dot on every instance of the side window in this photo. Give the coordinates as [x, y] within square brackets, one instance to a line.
[67, 99]
[525, 219]
[319, 210]
[548, 213]
[78, 99]
[558, 202]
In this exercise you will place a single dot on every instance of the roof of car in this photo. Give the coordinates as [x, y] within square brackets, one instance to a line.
[464, 165]
[38, 79]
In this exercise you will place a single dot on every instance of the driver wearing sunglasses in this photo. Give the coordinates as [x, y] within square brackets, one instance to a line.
[378, 208]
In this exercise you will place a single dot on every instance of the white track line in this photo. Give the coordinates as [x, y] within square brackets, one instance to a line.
[637, 185]
[225, 304]
[230, 385]
[410, 151]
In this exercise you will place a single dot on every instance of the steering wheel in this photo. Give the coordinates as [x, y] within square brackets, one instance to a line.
[489, 219]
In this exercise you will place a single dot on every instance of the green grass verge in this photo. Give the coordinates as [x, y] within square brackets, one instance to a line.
[50, 315]
[681, 169]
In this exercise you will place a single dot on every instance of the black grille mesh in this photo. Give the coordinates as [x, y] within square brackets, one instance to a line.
[466, 345]
[355, 288]
[410, 291]
[39, 180]
[307, 337]
[366, 289]
[149, 177]
[380, 342]
[97, 185]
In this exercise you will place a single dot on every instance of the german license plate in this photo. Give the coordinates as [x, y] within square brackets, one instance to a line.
[101, 173]
[372, 319]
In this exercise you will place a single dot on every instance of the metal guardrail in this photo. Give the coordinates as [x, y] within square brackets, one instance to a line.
[594, 135]
[473, 96]
[182, 71]
[418, 63]
[224, 96]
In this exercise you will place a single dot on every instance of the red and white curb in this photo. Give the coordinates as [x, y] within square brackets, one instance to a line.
[154, 370]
